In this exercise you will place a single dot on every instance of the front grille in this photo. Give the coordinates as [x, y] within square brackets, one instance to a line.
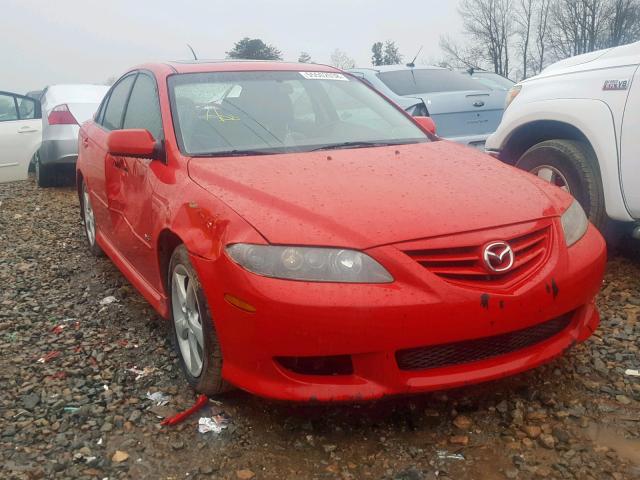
[464, 264]
[468, 351]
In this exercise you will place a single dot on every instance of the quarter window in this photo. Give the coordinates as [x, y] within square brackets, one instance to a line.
[8, 111]
[117, 102]
[143, 109]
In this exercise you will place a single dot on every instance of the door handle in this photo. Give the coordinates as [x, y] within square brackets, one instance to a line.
[27, 130]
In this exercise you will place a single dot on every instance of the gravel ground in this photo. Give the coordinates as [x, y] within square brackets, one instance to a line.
[83, 414]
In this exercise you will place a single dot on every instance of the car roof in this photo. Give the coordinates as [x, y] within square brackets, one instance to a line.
[74, 93]
[201, 66]
[396, 68]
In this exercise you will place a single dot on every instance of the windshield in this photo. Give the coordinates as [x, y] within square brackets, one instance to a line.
[417, 81]
[275, 112]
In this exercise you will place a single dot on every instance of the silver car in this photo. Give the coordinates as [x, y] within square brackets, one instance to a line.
[64, 108]
[464, 110]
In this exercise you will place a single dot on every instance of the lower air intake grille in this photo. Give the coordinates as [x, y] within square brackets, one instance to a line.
[437, 356]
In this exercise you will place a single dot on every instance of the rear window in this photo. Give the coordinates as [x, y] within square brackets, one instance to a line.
[417, 81]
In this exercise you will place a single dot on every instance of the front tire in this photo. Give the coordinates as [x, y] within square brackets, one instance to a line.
[572, 166]
[192, 330]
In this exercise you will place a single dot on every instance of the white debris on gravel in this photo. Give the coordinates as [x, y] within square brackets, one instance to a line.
[632, 373]
[108, 300]
[146, 371]
[159, 398]
[444, 455]
[214, 424]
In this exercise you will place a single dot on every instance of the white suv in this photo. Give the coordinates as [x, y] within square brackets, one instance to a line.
[577, 125]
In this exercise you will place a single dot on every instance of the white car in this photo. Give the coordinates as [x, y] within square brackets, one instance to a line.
[64, 109]
[577, 125]
[20, 135]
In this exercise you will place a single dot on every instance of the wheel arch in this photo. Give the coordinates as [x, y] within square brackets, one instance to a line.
[168, 241]
[589, 120]
[529, 134]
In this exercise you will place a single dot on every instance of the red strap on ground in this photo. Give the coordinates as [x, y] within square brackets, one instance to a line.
[201, 402]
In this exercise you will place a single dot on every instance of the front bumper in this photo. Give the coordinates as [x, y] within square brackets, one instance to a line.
[371, 323]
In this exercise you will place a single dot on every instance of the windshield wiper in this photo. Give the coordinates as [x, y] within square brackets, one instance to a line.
[236, 153]
[337, 146]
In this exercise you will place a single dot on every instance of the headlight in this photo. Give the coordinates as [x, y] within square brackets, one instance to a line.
[309, 263]
[512, 94]
[574, 223]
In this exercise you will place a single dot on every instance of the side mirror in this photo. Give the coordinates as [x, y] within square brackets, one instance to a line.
[132, 143]
[427, 124]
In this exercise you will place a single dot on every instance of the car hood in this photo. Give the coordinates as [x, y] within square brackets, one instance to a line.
[362, 198]
[600, 59]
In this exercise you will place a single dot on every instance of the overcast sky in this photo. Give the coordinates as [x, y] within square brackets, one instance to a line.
[86, 41]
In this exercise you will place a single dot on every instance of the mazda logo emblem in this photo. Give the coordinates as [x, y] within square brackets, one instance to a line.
[498, 257]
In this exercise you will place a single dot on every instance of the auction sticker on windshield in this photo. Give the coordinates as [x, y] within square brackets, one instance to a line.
[324, 76]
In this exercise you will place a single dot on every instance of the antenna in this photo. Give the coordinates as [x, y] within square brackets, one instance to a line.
[412, 63]
[195, 57]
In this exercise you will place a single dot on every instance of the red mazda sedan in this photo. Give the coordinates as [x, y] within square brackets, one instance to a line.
[308, 240]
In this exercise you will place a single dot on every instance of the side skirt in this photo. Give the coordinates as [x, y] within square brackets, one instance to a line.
[157, 300]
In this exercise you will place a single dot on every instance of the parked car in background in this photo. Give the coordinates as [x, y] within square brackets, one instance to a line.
[577, 126]
[310, 241]
[490, 79]
[37, 94]
[20, 135]
[464, 110]
[64, 108]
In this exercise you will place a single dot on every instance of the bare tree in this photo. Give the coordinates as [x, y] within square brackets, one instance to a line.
[542, 33]
[623, 22]
[460, 56]
[304, 57]
[576, 26]
[489, 24]
[341, 60]
[524, 19]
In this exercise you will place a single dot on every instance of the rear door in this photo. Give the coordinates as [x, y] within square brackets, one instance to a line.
[630, 148]
[20, 135]
[107, 171]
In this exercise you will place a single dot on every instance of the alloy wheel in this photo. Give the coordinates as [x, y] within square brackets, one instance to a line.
[552, 175]
[187, 319]
[89, 219]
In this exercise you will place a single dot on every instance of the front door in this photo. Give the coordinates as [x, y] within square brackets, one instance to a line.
[20, 135]
[130, 182]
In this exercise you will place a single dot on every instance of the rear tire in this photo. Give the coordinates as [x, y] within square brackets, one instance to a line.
[89, 221]
[45, 175]
[575, 164]
[192, 330]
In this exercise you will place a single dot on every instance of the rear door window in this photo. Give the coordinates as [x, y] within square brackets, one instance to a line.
[143, 109]
[8, 110]
[117, 102]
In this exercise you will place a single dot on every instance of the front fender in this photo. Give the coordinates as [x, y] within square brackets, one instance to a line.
[593, 118]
